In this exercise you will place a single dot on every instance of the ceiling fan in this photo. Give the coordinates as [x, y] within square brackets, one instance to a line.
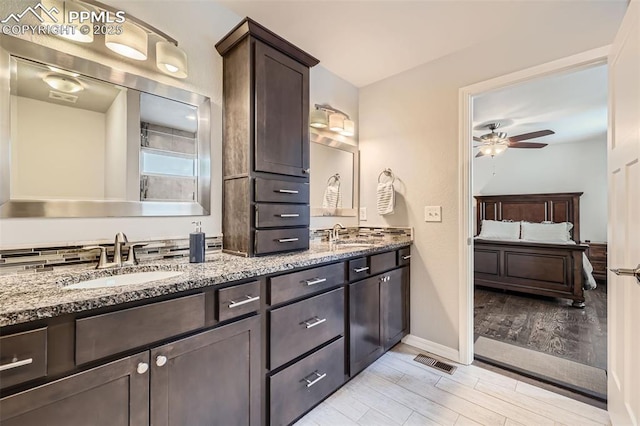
[495, 143]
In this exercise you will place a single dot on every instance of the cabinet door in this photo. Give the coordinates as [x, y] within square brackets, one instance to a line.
[211, 378]
[113, 394]
[394, 306]
[364, 324]
[282, 113]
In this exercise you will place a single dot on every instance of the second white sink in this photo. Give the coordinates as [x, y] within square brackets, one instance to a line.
[124, 279]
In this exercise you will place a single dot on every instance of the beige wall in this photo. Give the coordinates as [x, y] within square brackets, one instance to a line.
[197, 26]
[115, 150]
[409, 122]
[49, 160]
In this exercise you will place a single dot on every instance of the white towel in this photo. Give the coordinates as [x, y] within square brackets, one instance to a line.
[332, 198]
[385, 198]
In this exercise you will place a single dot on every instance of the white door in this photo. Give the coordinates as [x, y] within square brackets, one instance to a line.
[624, 221]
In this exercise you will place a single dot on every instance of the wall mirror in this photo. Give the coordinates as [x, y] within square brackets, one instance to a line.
[334, 177]
[84, 140]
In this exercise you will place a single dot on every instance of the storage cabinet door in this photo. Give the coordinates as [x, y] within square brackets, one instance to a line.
[393, 306]
[113, 394]
[282, 113]
[211, 378]
[364, 324]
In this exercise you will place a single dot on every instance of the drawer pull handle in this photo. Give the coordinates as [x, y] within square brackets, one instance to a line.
[406, 257]
[358, 270]
[313, 322]
[288, 191]
[161, 360]
[248, 299]
[315, 281]
[288, 240]
[15, 364]
[315, 378]
[385, 279]
[143, 367]
[289, 215]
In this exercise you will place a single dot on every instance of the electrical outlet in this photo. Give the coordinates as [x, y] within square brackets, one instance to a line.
[363, 213]
[433, 213]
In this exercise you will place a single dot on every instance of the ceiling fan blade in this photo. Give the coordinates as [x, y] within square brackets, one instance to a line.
[527, 145]
[480, 154]
[477, 139]
[532, 135]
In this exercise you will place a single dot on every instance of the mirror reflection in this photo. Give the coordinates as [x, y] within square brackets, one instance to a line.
[333, 177]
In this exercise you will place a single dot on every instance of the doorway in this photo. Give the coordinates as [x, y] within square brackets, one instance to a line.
[516, 323]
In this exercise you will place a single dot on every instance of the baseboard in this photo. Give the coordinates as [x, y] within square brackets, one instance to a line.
[432, 347]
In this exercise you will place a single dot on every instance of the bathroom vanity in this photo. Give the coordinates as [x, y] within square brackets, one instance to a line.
[231, 341]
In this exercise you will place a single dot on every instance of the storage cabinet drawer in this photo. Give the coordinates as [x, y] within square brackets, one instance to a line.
[23, 357]
[281, 215]
[382, 262]
[296, 389]
[115, 332]
[238, 300]
[359, 269]
[281, 191]
[404, 256]
[296, 284]
[277, 240]
[300, 327]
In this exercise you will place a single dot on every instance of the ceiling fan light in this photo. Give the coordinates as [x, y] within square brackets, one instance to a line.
[493, 149]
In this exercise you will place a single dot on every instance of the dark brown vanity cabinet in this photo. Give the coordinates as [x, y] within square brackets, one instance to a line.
[265, 142]
[378, 308]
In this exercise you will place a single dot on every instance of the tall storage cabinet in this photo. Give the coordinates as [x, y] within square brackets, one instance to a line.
[265, 142]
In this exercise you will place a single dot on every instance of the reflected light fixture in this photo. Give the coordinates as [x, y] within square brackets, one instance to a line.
[63, 83]
[326, 116]
[494, 148]
[171, 59]
[132, 42]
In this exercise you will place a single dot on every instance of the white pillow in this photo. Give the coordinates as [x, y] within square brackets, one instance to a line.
[501, 230]
[547, 232]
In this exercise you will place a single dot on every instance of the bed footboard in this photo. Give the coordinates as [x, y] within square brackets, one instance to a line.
[533, 268]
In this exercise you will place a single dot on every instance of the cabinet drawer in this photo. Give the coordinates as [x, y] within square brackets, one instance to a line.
[300, 327]
[238, 300]
[281, 191]
[276, 240]
[359, 269]
[115, 332]
[404, 256]
[291, 286]
[297, 388]
[598, 251]
[23, 357]
[281, 215]
[382, 262]
[599, 267]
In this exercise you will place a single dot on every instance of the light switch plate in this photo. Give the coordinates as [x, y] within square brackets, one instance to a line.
[433, 213]
[363, 213]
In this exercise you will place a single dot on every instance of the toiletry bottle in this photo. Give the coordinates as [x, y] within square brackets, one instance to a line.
[196, 244]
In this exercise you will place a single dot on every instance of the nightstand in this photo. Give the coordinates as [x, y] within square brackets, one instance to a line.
[597, 254]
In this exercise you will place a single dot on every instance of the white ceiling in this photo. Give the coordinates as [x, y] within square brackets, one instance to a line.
[574, 105]
[366, 41]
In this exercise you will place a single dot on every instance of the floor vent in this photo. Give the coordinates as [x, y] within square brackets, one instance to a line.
[434, 363]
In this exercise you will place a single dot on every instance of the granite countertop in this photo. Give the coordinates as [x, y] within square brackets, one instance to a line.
[29, 297]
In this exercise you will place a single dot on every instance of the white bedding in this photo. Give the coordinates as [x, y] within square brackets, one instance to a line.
[587, 268]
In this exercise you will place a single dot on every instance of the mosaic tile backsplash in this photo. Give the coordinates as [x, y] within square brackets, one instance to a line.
[40, 259]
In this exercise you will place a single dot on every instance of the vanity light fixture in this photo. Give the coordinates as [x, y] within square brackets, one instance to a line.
[66, 6]
[337, 121]
[132, 42]
[171, 59]
[63, 83]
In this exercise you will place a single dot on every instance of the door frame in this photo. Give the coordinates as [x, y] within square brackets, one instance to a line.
[465, 175]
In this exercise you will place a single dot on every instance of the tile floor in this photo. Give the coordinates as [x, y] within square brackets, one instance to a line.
[395, 390]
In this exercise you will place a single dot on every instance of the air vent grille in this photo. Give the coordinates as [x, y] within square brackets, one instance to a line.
[434, 363]
[65, 97]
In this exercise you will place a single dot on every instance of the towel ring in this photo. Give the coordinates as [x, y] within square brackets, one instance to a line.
[335, 177]
[388, 173]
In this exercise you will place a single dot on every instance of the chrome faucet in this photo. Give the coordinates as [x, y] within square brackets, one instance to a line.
[120, 240]
[118, 258]
[334, 234]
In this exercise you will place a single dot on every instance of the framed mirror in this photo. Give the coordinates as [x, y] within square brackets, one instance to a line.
[83, 140]
[334, 177]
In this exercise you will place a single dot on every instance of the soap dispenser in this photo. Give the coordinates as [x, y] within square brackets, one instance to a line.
[196, 244]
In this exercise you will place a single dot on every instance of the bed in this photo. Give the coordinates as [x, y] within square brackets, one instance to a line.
[533, 267]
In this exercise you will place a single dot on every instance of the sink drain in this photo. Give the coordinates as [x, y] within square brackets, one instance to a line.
[434, 363]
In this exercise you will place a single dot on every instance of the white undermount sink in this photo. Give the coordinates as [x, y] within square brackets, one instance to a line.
[352, 245]
[124, 279]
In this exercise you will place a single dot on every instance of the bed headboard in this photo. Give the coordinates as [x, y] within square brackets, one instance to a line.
[560, 207]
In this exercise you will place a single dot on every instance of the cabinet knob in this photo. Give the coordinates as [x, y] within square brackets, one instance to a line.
[161, 360]
[306, 171]
[143, 367]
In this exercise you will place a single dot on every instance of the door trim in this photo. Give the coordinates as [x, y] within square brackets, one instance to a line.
[465, 175]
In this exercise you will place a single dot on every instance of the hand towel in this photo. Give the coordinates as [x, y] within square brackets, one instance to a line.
[332, 198]
[385, 198]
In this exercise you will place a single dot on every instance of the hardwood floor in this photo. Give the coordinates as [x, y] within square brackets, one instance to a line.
[395, 390]
[546, 324]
